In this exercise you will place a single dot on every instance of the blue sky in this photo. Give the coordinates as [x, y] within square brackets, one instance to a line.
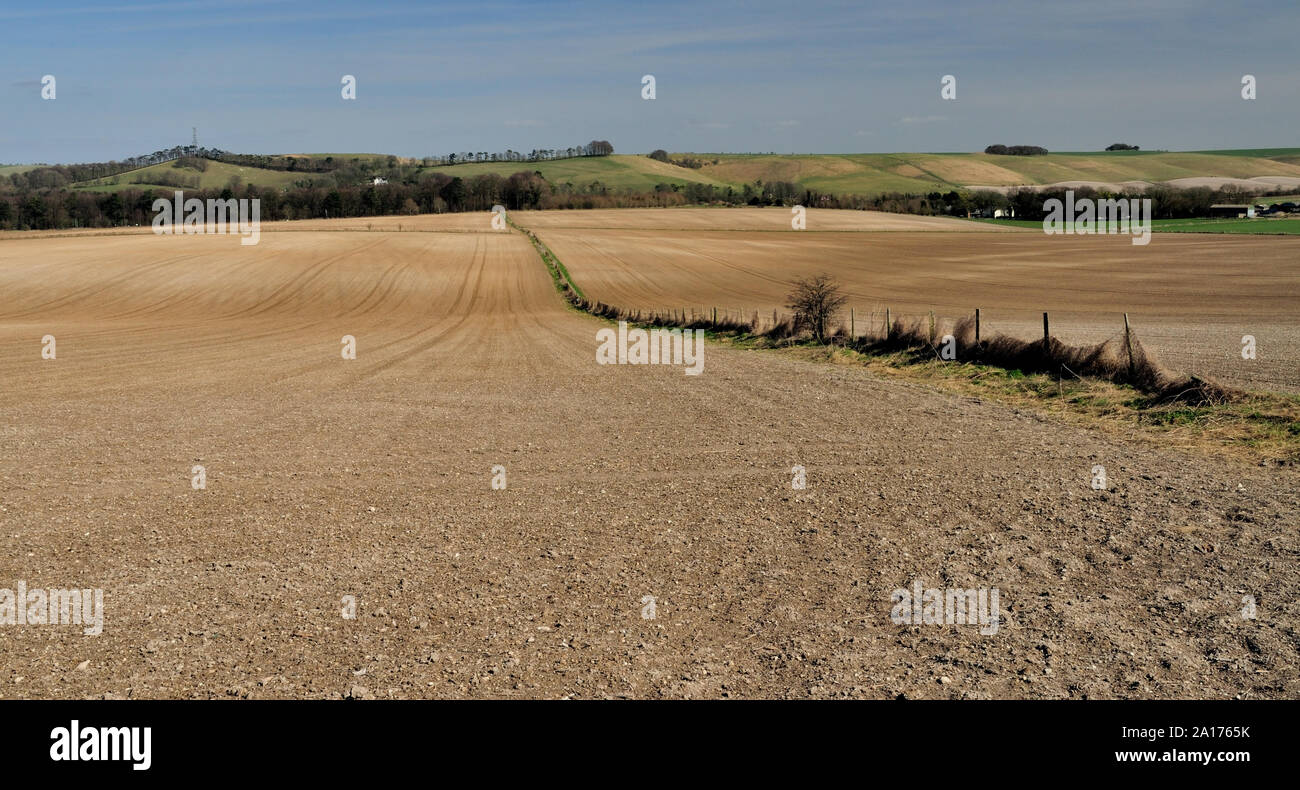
[789, 76]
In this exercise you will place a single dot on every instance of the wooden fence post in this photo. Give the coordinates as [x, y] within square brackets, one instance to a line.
[1046, 334]
[932, 327]
[853, 332]
[889, 325]
[1128, 344]
[977, 326]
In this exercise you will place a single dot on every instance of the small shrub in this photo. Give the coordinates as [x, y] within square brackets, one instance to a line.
[815, 302]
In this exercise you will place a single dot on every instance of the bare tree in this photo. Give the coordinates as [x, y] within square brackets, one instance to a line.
[815, 301]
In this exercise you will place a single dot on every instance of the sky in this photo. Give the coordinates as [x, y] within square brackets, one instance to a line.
[794, 76]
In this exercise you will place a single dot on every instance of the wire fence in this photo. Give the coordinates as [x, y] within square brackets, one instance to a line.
[1014, 339]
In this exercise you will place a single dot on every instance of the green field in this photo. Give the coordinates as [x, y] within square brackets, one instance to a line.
[1259, 226]
[6, 170]
[216, 176]
[350, 157]
[1264, 226]
[618, 172]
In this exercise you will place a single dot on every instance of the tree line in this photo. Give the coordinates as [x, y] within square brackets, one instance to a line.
[593, 148]
[47, 176]
[429, 193]
[440, 192]
[433, 194]
[331, 164]
[344, 169]
[1166, 202]
[660, 155]
[1016, 150]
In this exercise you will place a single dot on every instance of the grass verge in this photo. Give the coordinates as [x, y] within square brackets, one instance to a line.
[1254, 427]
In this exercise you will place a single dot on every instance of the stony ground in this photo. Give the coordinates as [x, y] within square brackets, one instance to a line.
[371, 478]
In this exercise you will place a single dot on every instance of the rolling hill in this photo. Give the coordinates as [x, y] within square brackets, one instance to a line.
[875, 173]
[619, 172]
[862, 174]
[216, 176]
[7, 169]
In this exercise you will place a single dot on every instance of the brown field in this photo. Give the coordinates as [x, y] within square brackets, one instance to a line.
[371, 478]
[442, 223]
[749, 219]
[1189, 299]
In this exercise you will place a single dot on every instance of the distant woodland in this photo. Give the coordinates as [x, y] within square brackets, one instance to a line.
[326, 186]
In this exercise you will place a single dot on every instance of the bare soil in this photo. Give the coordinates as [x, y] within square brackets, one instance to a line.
[1190, 299]
[372, 478]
